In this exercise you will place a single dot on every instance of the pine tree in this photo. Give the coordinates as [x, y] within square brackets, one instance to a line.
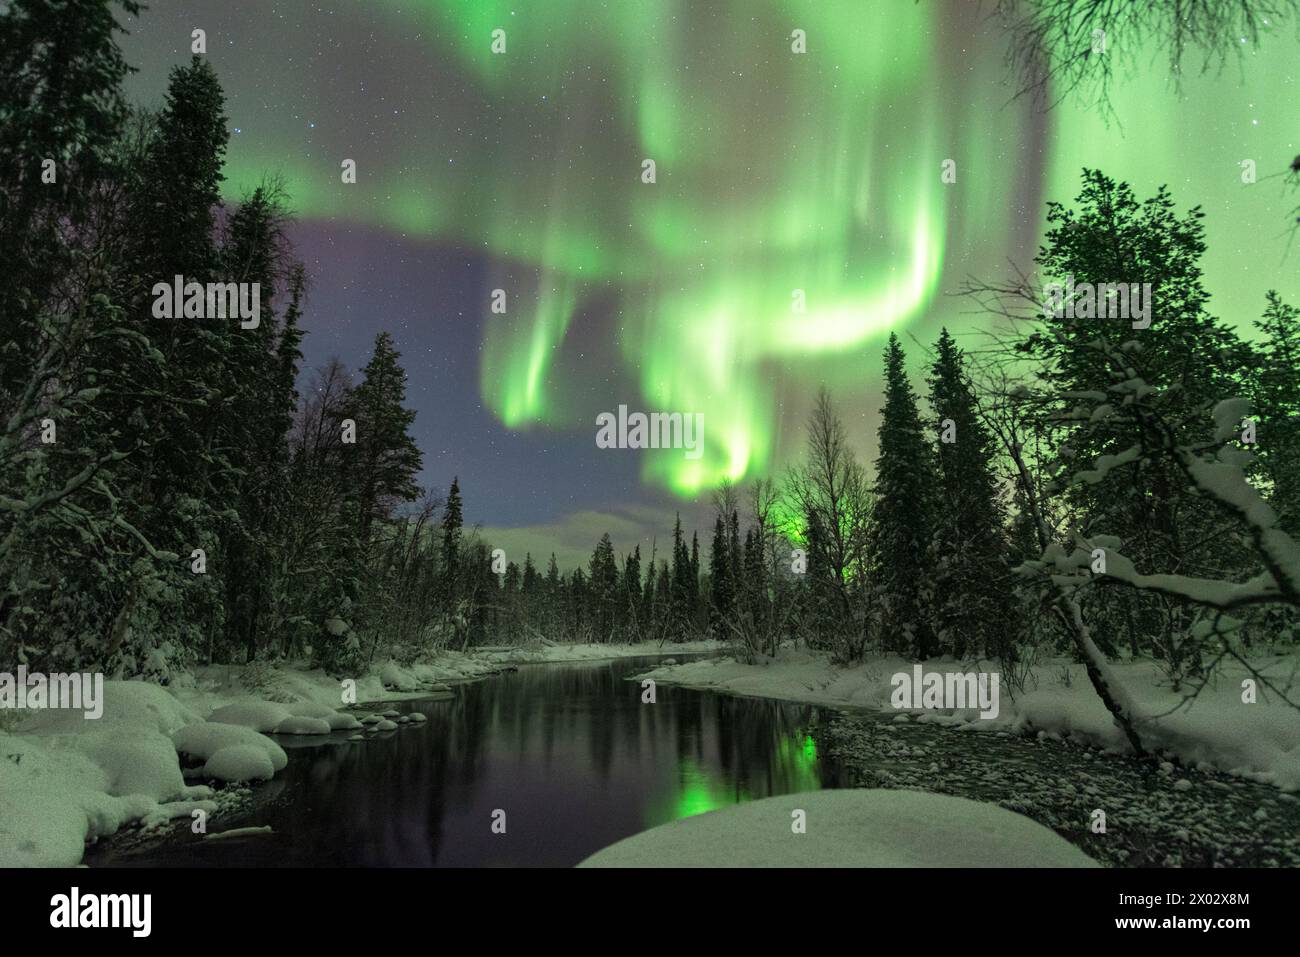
[452, 576]
[1185, 354]
[579, 612]
[512, 601]
[68, 347]
[632, 624]
[650, 623]
[552, 591]
[734, 553]
[903, 516]
[61, 99]
[666, 623]
[603, 585]
[387, 458]
[693, 590]
[530, 593]
[255, 380]
[820, 607]
[975, 609]
[1276, 405]
[681, 588]
[723, 591]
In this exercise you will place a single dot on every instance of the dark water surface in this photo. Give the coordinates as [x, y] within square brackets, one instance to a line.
[568, 751]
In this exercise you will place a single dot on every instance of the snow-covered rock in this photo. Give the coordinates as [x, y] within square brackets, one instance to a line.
[205, 738]
[239, 762]
[134, 704]
[395, 676]
[144, 763]
[848, 828]
[264, 716]
[296, 724]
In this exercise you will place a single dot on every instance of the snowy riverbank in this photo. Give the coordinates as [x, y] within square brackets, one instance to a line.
[1259, 741]
[849, 828]
[158, 754]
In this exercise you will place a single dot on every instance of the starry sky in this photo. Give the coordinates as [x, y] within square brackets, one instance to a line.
[779, 177]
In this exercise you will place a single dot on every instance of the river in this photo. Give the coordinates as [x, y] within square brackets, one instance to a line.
[575, 761]
[567, 750]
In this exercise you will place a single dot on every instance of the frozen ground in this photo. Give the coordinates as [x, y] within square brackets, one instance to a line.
[1217, 730]
[184, 751]
[848, 828]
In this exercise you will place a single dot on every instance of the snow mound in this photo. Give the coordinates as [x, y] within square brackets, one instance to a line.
[849, 828]
[144, 763]
[240, 762]
[264, 716]
[204, 739]
[52, 800]
[137, 704]
[295, 724]
[395, 676]
[337, 720]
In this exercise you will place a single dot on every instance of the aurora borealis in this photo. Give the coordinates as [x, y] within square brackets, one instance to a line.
[781, 178]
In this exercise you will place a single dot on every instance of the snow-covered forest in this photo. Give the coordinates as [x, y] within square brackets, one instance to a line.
[1056, 491]
[172, 498]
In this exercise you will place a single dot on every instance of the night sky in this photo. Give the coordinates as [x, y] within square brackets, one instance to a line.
[775, 172]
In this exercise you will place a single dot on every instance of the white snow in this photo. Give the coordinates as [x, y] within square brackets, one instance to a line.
[1217, 730]
[241, 762]
[550, 652]
[264, 716]
[848, 828]
[296, 724]
[205, 739]
[66, 781]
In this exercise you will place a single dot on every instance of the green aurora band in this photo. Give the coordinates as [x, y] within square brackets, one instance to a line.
[776, 171]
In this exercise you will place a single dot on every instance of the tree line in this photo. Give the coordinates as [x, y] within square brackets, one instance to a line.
[168, 497]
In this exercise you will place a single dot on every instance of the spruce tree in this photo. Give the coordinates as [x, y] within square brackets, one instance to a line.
[61, 99]
[1184, 354]
[650, 623]
[903, 516]
[694, 589]
[552, 595]
[452, 520]
[723, 591]
[602, 582]
[387, 458]
[632, 623]
[1276, 406]
[681, 588]
[974, 604]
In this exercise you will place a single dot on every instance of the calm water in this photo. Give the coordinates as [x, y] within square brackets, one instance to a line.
[568, 751]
